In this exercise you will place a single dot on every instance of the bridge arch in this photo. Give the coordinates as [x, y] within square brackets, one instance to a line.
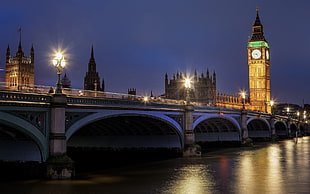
[23, 150]
[216, 128]
[281, 128]
[258, 127]
[145, 129]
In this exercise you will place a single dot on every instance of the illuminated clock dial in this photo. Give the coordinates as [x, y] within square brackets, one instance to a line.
[267, 55]
[256, 54]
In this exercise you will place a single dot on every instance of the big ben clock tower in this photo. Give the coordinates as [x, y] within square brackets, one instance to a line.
[259, 68]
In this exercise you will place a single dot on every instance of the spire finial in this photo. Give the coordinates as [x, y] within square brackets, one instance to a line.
[257, 8]
[20, 36]
[92, 51]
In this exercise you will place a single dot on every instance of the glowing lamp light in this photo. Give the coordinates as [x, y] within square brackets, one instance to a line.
[59, 63]
[187, 83]
[145, 99]
[243, 94]
[271, 102]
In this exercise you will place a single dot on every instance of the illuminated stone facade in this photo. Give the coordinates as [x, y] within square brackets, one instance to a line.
[19, 70]
[203, 88]
[259, 68]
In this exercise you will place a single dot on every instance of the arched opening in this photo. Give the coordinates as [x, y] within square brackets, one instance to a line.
[281, 129]
[258, 128]
[118, 139]
[216, 129]
[127, 131]
[17, 146]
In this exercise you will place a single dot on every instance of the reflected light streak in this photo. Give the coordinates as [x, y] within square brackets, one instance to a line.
[191, 179]
[245, 174]
[274, 169]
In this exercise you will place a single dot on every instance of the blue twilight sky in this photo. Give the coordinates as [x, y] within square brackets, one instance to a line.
[137, 41]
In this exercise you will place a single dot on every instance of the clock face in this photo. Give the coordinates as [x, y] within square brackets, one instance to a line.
[256, 54]
[267, 55]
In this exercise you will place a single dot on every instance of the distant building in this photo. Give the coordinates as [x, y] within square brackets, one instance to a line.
[92, 79]
[203, 90]
[132, 91]
[19, 70]
[65, 81]
[286, 109]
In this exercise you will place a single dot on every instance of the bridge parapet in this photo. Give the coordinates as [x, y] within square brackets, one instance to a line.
[22, 97]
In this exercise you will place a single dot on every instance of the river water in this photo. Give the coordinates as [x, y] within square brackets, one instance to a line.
[282, 167]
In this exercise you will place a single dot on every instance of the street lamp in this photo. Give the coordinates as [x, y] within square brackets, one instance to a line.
[243, 94]
[271, 104]
[59, 63]
[187, 85]
[288, 111]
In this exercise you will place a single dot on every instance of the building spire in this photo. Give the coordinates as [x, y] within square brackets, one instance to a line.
[92, 62]
[257, 29]
[20, 52]
[20, 37]
[92, 52]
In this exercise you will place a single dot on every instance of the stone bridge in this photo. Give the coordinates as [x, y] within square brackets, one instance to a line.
[35, 126]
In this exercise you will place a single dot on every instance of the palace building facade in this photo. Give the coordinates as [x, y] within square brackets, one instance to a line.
[19, 69]
[203, 90]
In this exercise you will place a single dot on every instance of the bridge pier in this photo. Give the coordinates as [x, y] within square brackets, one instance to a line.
[59, 165]
[289, 127]
[190, 148]
[273, 128]
[245, 140]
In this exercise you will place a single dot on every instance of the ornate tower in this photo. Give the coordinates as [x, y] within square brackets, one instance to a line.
[19, 70]
[259, 68]
[92, 79]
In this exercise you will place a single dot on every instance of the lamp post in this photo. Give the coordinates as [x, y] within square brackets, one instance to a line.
[59, 63]
[273, 129]
[187, 85]
[243, 94]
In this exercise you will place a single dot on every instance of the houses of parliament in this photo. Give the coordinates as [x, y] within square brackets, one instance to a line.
[19, 75]
[19, 72]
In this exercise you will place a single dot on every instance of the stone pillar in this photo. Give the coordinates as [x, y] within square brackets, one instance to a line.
[190, 148]
[289, 127]
[58, 121]
[272, 126]
[244, 129]
[189, 136]
[59, 165]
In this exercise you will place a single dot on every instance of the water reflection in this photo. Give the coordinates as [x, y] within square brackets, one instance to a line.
[282, 167]
[190, 179]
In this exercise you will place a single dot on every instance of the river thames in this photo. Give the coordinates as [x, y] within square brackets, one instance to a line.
[282, 167]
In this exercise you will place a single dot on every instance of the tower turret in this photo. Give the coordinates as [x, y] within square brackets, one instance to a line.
[8, 54]
[32, 54]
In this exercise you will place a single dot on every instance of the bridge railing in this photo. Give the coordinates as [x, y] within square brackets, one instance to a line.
[13, 96]
[42, 94]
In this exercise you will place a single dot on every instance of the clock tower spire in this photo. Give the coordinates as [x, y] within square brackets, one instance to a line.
[259, 68]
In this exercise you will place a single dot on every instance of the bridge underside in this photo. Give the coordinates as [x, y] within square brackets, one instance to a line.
[17, 146]
[127, 131]
[258, 128]
[216, 129]
[281, 129]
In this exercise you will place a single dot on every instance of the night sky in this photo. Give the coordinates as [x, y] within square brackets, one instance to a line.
[137, 41]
